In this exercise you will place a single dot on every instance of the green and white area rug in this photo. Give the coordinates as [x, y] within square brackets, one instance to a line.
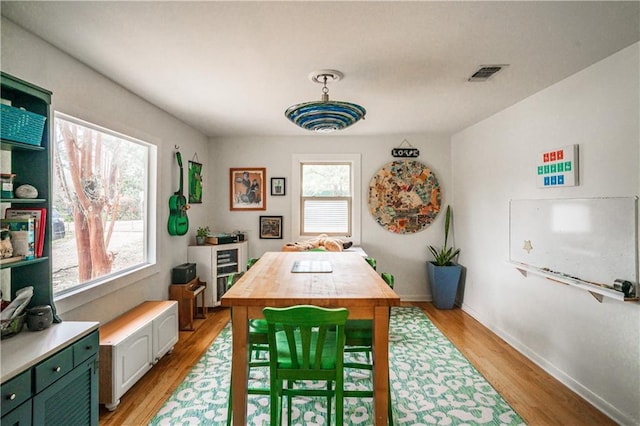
[431, 383]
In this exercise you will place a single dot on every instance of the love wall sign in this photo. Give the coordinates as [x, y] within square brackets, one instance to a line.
[405, 150]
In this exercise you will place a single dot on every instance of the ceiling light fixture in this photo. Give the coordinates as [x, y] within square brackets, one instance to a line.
[325, 115]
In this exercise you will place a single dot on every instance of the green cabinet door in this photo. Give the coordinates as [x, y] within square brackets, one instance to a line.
[72, 400]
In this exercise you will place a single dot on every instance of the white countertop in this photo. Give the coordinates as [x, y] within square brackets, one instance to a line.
[27, 348]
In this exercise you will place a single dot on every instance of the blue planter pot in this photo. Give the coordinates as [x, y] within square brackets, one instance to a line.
[444, 282]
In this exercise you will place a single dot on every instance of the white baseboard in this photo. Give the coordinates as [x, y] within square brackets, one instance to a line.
[594, 399]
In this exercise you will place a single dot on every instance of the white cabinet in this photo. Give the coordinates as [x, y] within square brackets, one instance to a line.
[131, 344]
[214, 263]
[165, 332]
[133, 357]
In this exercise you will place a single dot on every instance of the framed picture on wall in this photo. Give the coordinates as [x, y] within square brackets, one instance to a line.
[195, 182]
[247, 189]
[277, 186]
[271, 227]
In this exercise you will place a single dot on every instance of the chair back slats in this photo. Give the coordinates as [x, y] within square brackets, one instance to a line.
[306, 343]
[290, 332]
[319, 349]
[307, 334]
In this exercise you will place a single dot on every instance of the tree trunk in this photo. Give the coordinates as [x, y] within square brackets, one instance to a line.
[92, 183]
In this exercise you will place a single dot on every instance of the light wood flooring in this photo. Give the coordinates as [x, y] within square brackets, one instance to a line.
[536, 396]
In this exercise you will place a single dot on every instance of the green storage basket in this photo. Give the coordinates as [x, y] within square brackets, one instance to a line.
[21, 126]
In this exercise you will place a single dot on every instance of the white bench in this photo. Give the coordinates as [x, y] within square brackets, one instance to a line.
[131, 344]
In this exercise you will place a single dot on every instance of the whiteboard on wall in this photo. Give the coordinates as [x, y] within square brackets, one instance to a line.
[591, 239]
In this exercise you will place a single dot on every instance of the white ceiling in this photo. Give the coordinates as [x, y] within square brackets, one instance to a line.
[232, 68]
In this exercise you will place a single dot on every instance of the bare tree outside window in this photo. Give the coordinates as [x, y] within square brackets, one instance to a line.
[99, 206]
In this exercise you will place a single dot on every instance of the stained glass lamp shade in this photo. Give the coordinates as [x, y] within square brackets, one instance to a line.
[325, 115]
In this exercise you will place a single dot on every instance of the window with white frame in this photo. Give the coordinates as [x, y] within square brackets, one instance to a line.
[326, 188]
[100, 206]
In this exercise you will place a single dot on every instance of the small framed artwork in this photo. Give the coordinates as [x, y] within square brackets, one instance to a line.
[195, 182]
[247, 189]
[277, 186]
[558, 167]
[271, 227]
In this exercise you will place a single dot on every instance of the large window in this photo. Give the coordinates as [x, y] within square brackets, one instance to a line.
[100, 204]
[327, 189]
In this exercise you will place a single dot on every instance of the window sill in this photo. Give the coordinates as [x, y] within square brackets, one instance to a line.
[69, 301]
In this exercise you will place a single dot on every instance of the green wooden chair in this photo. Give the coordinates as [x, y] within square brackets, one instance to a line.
[372, 261]
[251, 261]
[258, 342]
[388, 278]
[305, 343]
[359, 339]
[360, 332]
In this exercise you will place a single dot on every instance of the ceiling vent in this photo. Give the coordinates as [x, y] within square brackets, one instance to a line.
[485, 72]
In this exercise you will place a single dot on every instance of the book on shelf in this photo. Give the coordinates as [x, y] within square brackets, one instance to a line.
[22, 230]
[40, 217]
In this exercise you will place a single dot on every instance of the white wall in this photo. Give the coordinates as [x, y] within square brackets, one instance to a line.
[592, 347]
[81, 92]
[402, 255]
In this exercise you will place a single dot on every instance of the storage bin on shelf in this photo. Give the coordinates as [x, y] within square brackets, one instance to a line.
[21, 126]
[14, 326]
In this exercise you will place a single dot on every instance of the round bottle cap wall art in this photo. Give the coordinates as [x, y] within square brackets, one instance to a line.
[404, 196]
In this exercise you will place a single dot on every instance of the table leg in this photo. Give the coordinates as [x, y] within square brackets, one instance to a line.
[239, 367]
[380, 364]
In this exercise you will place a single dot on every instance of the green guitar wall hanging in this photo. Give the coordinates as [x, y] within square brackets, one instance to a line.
[178, 220]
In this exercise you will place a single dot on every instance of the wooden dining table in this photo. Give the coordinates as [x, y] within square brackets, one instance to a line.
[327, 279]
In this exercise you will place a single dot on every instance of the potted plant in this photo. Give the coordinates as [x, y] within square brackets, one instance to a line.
[442, 271]
[201, 234]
